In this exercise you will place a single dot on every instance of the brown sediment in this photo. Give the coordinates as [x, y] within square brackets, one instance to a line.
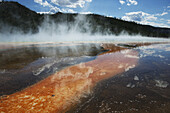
[60, 91]
[7, 46]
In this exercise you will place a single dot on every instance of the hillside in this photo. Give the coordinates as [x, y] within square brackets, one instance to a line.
[14, 17]
[17, 17]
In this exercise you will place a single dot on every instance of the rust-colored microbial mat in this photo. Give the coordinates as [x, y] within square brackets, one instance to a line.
[60, 91]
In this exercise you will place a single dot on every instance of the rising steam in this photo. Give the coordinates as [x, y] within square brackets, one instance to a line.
[80, 30]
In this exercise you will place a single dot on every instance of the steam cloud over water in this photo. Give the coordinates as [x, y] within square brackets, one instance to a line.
[79, 30]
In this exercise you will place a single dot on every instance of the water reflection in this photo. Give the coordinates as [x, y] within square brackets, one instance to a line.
[17, 57]
[142, 89]
[65, 88]
[25, 65]
[87, 84]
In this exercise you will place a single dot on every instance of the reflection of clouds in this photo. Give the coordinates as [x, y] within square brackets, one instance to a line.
[157, 46]
[79, 71]
[129, 67]
[147, 53]
[69, 93]
[131, 56]
[167, 49]
[160, 56]
[126, 51]
[72, 83]
[151, 50]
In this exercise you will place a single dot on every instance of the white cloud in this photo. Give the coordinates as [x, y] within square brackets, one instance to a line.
[66, 5]
[128, 2]
[156, 24]
[109, 16]
[43, 12]
[132, 2]
[138, 16]
[122, 2]
[168, 21]
[168, 6]
[44, 4]
[162, 14]
[64, 10]
[67, 10]
[53, 8]
[144, 18]
[86, 13]
[38, 1]
[70, 3]
[71, 11]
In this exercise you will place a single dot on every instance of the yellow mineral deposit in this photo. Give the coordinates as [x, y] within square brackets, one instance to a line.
[60, 91]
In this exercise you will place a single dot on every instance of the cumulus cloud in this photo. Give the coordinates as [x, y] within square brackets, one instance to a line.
[70, 3]
[38, 1]
[65, 6]
[122, 2]
[144, 18]
[67, 10]
[138, 16]
[128, 2]
[162, 14]
[168, 6]
[44, 4]
[52, 8]
[132, 2]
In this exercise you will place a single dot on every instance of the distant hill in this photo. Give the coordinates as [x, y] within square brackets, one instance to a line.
[16, 17]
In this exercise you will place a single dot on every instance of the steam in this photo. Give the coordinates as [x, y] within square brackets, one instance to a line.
[78, 31]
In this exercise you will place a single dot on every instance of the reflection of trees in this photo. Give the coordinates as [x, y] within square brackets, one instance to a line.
[18, 58]
[71, 51]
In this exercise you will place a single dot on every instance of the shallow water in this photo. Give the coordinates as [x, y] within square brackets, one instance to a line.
[128, 79]
[22, 66]
[144, 88]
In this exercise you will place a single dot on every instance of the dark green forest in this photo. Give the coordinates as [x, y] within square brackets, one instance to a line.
[16, 17]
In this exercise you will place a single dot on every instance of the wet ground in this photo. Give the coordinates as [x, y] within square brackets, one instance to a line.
[140, 87]
[144, 88]
[22, 66]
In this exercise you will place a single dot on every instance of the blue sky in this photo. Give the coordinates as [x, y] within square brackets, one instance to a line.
[150, 12]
